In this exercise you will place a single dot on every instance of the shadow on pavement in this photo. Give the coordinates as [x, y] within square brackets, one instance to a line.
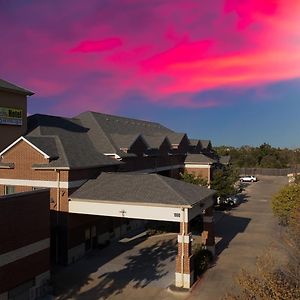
[139, 270]
[228, 229]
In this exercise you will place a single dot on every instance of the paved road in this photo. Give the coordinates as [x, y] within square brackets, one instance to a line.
[242, 235]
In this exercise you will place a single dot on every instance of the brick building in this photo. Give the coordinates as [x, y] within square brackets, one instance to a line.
[25, 245]
[200, 165]
[62, 154]
[13, 112]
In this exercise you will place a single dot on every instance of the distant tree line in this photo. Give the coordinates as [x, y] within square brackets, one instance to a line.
[264, 156]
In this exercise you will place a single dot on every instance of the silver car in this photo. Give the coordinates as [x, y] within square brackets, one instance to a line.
[248, 178]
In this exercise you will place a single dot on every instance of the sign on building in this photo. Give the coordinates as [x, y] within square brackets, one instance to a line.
[10, 116]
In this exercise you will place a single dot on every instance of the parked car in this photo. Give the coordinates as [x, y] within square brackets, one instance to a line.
[228, 201]
[248, 178]
[232, 200]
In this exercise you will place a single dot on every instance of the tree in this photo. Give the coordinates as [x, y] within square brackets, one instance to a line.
[285, 202]
[192, 178]
[264, 156]
[224, 180]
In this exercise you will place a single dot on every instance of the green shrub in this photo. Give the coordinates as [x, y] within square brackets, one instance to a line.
[202, 259]
[285, 203]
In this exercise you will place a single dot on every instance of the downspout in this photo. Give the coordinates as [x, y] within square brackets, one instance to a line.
[58, 190]
[182, 245]
[57, 212]
[209, 174]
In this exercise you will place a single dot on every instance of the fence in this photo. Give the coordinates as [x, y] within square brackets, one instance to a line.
[268, 171]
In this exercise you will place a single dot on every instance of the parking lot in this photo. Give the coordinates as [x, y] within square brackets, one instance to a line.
[243, 233]
[143, 268]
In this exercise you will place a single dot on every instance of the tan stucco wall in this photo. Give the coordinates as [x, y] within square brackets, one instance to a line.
[9, 133]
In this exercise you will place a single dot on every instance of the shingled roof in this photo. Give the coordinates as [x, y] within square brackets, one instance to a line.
[142, 189]
[194, 142]
[205, 143]
[154, 142]
[104, 128]
[199, 158]
[66, 142]
[7, 86]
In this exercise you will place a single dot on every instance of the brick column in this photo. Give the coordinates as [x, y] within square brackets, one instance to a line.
[208, 233]
[184, 276]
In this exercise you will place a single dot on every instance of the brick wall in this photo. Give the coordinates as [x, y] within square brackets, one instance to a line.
[198, 172]
[10, 133]
[23, 156]
[24, 220]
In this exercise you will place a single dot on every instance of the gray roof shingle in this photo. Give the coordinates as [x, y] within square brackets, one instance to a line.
[7, 86]
[124, 140]
[205, 143]
[194, 142]
[66, 140]
[154, 142]
[141, 188]
[107, 127]
[199, 158]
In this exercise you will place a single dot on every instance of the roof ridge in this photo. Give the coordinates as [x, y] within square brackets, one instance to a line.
[161, 178]
[6, 85]
[59, 142]
[102, 131]
[128, 118]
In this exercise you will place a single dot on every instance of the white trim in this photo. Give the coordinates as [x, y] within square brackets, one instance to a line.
[133, 211]
[198, 166]
[185, 238]
[12, 256]
[185, 280]
[21, 138]
[115, 155]
[42, 183]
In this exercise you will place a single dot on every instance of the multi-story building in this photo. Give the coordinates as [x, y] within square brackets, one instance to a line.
[13, 112]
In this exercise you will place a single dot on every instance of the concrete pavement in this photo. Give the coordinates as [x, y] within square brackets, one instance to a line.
[243, 234]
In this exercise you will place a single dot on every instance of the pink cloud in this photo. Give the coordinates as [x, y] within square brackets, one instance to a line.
[98, 46]
[166, 51]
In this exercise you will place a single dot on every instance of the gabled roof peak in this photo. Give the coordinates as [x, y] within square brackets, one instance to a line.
[10, 87]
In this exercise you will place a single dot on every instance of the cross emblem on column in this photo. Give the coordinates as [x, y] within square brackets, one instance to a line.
[123, 212]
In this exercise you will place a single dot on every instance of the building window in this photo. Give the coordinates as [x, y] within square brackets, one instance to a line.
[9, 189]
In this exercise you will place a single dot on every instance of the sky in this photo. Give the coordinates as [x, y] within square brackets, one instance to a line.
[225, 70]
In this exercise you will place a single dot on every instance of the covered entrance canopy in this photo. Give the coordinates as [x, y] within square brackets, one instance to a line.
[150, 197]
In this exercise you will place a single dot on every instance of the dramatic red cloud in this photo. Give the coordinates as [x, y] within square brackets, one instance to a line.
[168, 52]
[97, 46]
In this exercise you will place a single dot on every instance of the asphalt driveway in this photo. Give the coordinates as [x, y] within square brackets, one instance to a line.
[242, 234]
